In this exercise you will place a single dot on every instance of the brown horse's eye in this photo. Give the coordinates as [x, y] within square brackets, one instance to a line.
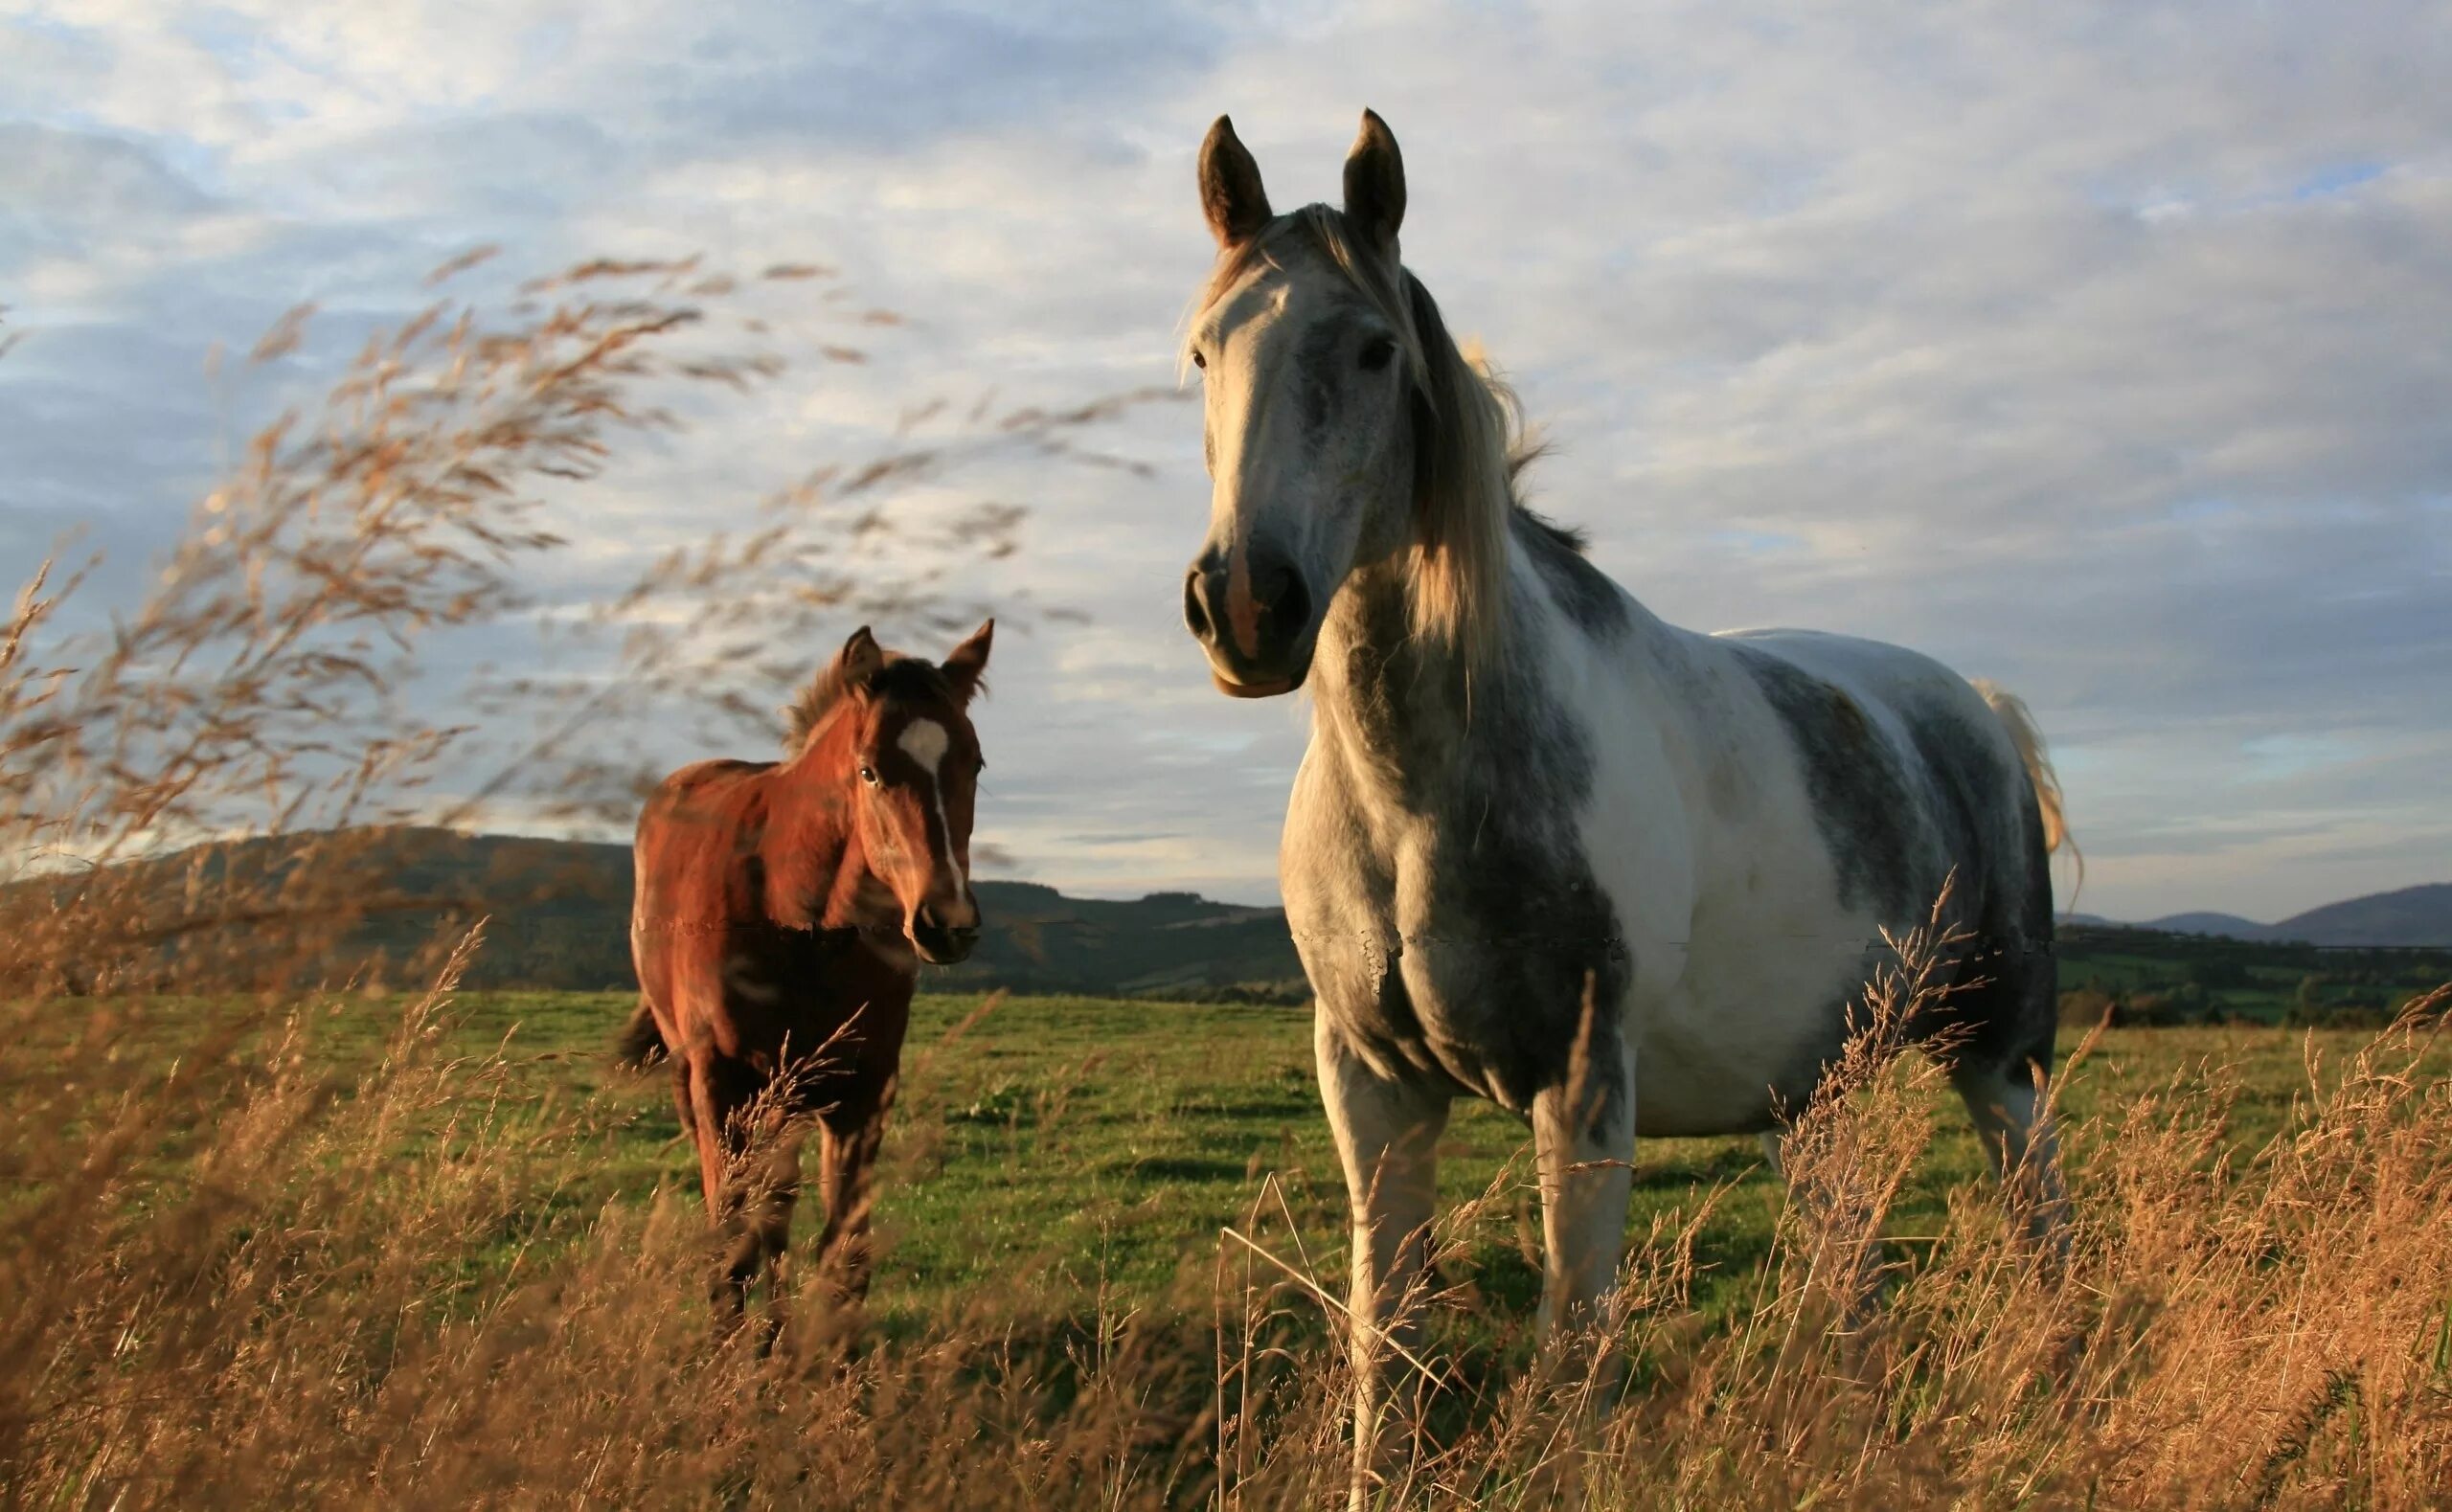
[1375, 354]
[869, 775]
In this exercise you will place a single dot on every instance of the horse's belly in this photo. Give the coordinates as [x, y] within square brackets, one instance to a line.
[1690, 1082]
[1740, 1043]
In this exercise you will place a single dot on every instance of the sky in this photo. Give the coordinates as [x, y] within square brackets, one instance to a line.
[2098, 349]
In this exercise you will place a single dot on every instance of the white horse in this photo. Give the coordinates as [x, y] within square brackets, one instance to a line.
[1520, 781]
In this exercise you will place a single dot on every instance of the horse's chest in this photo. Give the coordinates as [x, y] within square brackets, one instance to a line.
[786, 992]
[1469, 954]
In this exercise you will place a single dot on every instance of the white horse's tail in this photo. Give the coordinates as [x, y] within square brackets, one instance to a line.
[2015, 718]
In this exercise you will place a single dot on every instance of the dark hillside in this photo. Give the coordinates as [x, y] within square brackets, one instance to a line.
[558, 916]
[2420, 916]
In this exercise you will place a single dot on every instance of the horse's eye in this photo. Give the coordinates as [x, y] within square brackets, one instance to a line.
[1375, 354]
[1200, 361]
[869, 775]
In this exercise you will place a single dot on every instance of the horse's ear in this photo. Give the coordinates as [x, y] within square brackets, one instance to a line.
[1375, 183]
[967, 667]
[860, 660]
[1231, 195]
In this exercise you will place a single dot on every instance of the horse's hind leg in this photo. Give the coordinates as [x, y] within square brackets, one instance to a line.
[772, 1187]
[720, 1095]
[2012, 1120]
[685, 1104]
[1774, 1155]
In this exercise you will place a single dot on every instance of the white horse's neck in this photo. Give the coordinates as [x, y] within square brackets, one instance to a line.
[1403, 706]
[1402, 703]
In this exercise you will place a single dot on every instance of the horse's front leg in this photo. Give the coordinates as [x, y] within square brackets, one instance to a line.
[1387, 1133]
[852, 1131]
[1583, 1138]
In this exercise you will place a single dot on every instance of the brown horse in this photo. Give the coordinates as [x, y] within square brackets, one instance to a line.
[781, 914]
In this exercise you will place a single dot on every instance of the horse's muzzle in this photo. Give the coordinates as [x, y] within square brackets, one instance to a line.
[941, 942]
[1255, 619]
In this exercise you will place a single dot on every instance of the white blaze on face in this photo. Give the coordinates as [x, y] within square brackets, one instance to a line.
[926, 742]
[1231, 389]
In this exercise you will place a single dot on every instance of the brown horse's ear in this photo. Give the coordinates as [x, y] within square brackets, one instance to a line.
[1374, 184]
[1231, 195]
[860, 660]
[967, 667]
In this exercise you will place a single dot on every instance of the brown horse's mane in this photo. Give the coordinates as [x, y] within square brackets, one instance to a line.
[913, 677]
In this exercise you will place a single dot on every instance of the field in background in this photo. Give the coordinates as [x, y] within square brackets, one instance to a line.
[2145, 977]
[1063, 1156]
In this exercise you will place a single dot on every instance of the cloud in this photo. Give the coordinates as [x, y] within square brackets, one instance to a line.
[2087, 348]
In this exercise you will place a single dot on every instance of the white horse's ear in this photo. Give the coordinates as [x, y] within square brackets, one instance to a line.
[1231, 195]
[1375, 183]
[860, 659]
[966, 668]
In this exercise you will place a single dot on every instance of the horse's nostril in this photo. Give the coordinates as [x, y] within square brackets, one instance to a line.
[1289, 604]
[1196, 613]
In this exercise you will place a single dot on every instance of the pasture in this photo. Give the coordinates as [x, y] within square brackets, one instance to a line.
[404, 1220]
[1065, 1154]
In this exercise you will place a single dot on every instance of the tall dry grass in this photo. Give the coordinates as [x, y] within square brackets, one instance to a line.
[235, 1282]
[234, 1277]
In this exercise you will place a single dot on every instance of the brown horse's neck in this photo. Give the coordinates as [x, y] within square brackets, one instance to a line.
[817, 872]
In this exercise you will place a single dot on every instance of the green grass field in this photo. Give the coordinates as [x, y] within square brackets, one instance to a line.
[1067, 1156]
[474, 1219]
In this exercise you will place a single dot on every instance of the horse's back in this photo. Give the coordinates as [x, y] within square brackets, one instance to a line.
[1919, 787]
[1878, 673]
[1894, 743]
[696, 830]
[692, 857]
[703, 792]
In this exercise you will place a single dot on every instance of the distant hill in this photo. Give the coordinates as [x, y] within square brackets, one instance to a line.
[1165, 944]
[2224, 926]
[557, 915]
[2414, 917]
[2420, 916]
[561, 914]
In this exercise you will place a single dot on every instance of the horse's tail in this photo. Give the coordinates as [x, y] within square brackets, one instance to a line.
[641, 1043]
[2015, 718]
